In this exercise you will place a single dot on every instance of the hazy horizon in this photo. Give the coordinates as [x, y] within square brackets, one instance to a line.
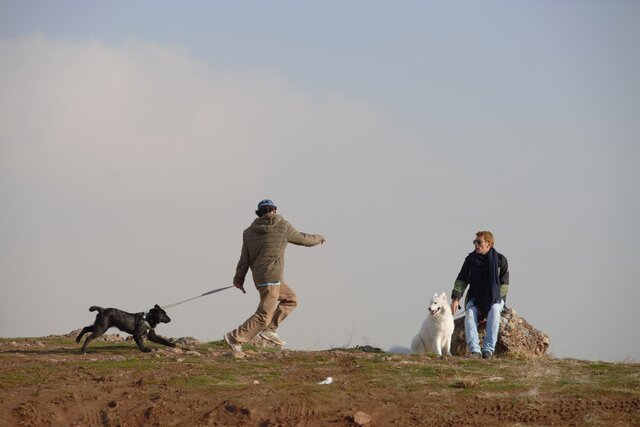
[136, 140]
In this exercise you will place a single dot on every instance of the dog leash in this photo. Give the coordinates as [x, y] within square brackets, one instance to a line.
[199, 296]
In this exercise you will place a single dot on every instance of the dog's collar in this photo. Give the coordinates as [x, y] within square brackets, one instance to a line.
[144, 320]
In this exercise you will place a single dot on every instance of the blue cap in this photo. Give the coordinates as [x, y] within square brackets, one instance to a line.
[266, 202]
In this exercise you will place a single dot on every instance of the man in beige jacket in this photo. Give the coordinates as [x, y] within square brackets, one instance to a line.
[263, 245]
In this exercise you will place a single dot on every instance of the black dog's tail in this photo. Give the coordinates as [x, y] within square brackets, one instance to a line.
[96, 308]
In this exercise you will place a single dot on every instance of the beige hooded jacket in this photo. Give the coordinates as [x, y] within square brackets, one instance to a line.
[263, 245]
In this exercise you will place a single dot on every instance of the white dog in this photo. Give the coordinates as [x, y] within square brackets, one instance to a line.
[437, 328]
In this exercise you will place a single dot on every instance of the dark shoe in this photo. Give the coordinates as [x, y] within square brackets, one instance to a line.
[487, 354]
[476, 355]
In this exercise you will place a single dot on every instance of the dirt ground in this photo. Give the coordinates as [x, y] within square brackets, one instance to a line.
[46, 382]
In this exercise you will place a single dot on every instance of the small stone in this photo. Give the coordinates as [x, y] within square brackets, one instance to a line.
[464, 383]
[361, 418]
[187, 341]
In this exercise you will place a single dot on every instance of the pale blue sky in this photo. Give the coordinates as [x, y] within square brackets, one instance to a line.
[136, 138]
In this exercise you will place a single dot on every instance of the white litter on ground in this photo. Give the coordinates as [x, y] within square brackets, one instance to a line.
[328, 380]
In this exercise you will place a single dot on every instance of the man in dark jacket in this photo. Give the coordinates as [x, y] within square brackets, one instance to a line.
[486, 272]
[263, 245]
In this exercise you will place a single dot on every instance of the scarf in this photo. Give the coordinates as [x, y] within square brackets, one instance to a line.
[485, 284]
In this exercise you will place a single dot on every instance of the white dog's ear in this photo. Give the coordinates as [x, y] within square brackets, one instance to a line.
[444, 297]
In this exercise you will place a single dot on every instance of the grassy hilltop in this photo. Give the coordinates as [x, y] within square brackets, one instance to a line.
[45, 381]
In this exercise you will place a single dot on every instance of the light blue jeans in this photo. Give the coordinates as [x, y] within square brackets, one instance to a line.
[471, 327]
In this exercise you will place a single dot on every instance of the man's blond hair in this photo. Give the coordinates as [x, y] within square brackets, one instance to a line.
[487, 236]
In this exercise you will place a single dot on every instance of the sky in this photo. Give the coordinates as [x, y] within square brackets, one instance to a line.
[136, 139]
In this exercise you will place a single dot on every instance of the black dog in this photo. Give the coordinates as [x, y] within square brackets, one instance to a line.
[139, 325]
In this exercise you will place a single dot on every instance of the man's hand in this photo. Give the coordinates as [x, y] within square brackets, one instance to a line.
[454, 306]
[239, 286]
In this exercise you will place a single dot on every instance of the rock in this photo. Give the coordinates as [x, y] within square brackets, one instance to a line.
[516, 337]
[368, 349]
[187, 341]
[112, 338]
[464, 383]
[361, 418]
[105, 337]
[71, 334]
[238, 354]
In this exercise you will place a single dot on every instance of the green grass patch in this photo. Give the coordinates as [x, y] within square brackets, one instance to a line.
[27, 375]
[424, 371]
[116, 366]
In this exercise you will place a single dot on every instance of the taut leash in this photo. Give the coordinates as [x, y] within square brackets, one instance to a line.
[199, 296]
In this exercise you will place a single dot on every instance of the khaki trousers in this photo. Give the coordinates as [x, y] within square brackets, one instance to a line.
[276, 302]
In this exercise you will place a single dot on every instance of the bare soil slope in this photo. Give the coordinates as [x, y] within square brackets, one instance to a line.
[45, 381]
